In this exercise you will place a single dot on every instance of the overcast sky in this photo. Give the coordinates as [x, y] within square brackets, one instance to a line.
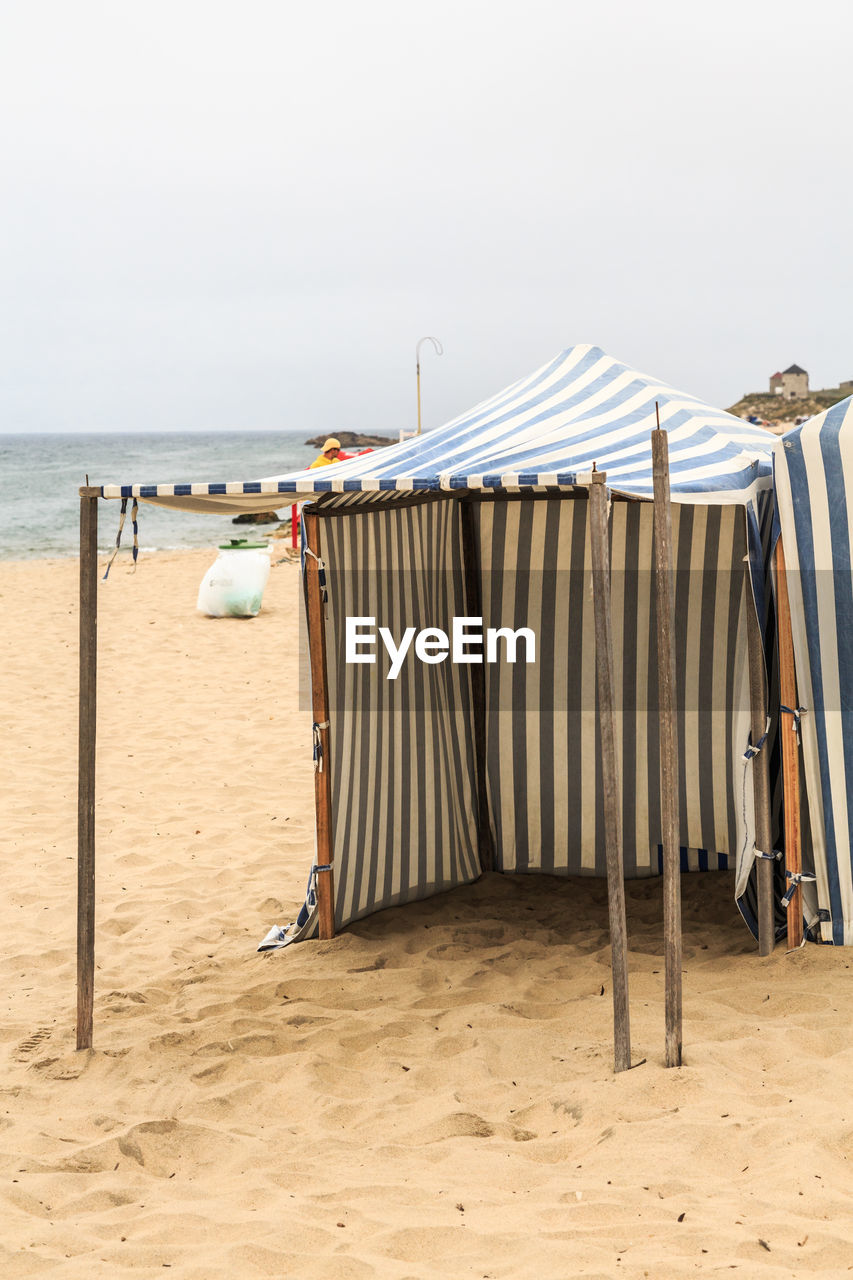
[223, 214]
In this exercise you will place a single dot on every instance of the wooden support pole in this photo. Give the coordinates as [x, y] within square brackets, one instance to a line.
[760, 773]
[790, 747]
[86, 729]
[670, 818]
[320, 707]
[600, 548]
[474, 608]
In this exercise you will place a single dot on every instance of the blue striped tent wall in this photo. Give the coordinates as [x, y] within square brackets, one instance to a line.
[814, 489]
[403, 780]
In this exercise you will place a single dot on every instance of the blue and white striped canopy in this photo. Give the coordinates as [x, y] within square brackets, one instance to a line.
[813, 467]
[544, 431]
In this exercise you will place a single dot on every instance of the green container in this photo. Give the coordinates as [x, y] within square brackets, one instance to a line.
[241, 544]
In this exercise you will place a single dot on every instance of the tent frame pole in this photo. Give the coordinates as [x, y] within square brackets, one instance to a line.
[669, 799]
[760, 771]
[790, 748]
[86, 734]
[474, 607]
[600, 549]
[320, 709]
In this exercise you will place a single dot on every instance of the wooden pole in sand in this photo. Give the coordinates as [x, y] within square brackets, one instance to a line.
[320, 707]
[760, 773]
[474, 607]
[669, 809]
[86, 727]
[600, 549]
[790, 748]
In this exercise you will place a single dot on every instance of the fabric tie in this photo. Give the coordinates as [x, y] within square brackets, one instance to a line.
[796, 712]
[134, 511]
[118, 539]
[311, 891]
[321, 571]
[318, 744]
[794, 878]
[752, 751]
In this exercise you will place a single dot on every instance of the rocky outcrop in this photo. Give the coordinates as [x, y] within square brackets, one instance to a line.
[351, 440]
[259, 517]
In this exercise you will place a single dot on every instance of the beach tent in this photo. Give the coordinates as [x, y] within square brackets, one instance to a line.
[813, 473]
[453, 767]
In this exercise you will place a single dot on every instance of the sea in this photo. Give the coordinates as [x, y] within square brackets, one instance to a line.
[40, 475]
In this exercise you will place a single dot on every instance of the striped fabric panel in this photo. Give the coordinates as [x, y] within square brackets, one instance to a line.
[544, 778]
[401, 755]
[545, 430]
[402, 768]
[814, 486]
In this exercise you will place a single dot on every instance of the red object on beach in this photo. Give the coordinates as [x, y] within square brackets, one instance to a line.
[294, 525]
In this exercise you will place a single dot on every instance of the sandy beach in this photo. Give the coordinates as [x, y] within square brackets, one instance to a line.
[431, 1094]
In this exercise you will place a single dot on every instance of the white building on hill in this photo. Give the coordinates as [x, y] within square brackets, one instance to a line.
[792, 384]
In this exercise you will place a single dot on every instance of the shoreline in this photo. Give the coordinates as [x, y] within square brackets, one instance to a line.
[125, 550]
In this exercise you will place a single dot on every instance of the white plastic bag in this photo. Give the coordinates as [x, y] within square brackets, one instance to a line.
[233, 586]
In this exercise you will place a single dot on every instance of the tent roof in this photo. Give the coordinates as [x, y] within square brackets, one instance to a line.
[544, 431]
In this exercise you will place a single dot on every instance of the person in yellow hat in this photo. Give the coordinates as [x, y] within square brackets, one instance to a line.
[331, 452]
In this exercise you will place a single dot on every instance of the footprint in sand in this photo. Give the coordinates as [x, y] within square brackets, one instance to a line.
[459, 1124]
[160, 1147]
[379, 963]
[28, 1047]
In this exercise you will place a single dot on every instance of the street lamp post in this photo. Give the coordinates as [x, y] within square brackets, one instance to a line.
[439, 350]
